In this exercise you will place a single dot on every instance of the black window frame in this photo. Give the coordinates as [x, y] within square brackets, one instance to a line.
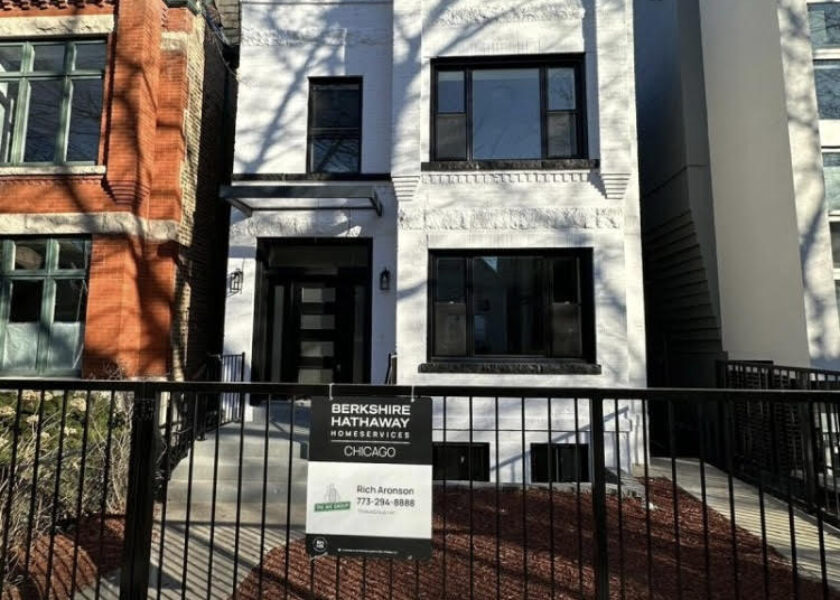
[477, 460]
[587, 303]
[543, 63]
[312, 133]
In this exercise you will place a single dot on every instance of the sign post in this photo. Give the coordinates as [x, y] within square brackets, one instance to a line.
[369, 484]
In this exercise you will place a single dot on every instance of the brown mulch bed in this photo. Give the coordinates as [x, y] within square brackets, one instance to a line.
[507, 578]
[89, 562]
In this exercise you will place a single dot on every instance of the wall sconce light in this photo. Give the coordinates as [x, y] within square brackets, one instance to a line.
[385, 280]
[236, 280]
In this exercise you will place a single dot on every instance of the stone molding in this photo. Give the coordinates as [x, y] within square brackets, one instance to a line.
[49, 172]
[332, 36]
[615, 184]
[511, 219]
[115, 223]
[512, 11]
[506, 177]
[405, 187]
[69, 25]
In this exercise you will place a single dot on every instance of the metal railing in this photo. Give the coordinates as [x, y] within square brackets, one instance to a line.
[793, 449]
[538, 493]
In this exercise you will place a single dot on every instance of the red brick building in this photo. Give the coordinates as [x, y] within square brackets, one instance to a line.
[113, 141]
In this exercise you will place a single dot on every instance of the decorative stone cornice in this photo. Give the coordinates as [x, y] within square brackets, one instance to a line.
[510, 219]
[331, 36]
[506, 177]
[45, 4]
[482, 13]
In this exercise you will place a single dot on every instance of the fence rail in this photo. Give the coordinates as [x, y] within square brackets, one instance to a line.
[539, 493]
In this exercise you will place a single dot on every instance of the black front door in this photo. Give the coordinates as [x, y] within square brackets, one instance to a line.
[316, 321]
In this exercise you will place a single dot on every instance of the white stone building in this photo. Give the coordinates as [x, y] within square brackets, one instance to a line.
[739, 124]
[450, 181]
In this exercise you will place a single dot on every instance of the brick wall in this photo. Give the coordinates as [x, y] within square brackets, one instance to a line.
[154, 304]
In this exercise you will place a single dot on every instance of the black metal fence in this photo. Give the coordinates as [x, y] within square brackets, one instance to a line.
[539, 493]
[791, 448]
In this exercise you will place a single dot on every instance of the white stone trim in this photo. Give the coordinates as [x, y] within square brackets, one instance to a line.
[511, 11]
[34, 26]
[615, 184]
[505, 177]
[36, 171]
[114, 223]
[511, 219]
[331, 36]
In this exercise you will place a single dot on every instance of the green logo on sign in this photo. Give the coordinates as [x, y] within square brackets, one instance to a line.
[326, 506]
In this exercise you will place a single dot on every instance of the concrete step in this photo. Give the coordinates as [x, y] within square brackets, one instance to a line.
[250, 514]
[227, 491]
[252, 469]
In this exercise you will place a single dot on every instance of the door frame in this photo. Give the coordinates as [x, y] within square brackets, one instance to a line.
[261, 351]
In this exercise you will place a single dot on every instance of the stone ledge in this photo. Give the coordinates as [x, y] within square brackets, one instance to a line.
[565, 164]
[52, 170]
[512, 368]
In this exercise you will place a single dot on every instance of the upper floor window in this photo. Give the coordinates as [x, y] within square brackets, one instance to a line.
[335, 125]
[51, 101]
[508, 110]
[536, 304]
[827, 75]
[825, 24]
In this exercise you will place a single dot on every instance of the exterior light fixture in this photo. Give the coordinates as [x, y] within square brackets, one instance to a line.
[385, 280]
[236, 280]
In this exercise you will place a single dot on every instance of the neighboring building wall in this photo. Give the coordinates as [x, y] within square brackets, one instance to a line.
[746, 193]
[144, 202]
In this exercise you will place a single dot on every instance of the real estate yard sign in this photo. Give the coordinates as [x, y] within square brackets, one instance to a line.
[369, 485]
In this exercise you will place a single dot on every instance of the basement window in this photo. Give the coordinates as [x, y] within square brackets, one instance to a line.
[43, 302]
[51, 102]
[458, 461]
[566, 463]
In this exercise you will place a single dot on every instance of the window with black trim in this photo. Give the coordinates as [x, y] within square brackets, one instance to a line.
[511, 306]
[513, 109]
[335, 125]
[51, 101]
[566, 463]
[43, 301]
[458, 461]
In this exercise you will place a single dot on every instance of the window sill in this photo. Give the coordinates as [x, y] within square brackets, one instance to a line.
[566, 164]
[40, 170]
[512, 368]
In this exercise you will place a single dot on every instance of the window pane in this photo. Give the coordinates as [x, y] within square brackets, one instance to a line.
[44, 120]
[827, 73]
[508, 305]
[49, 57]
[450, 307]
[561, 89]
[10, 58]
[72, 254]
[336, 105]
[8, 105]
[450, 92]
[25, 305]
[90, 56]
[30, 255]
[831, 173]
[566, 287]
[506, 114]
[835, 243]
[85, 120]
[70, 297]
[335, 155]
[450, 281]
[562, 135]
[825, 25]
[451, 134]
